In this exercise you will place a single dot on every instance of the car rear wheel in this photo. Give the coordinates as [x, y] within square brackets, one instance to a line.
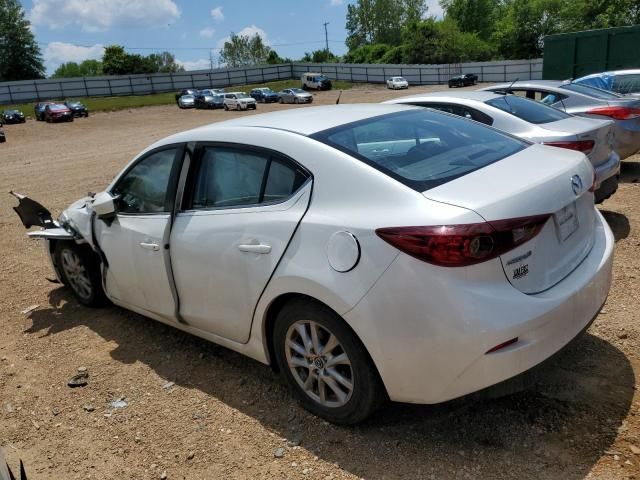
[280, 100]
[325, 364]
[226, 107]
[80, 272]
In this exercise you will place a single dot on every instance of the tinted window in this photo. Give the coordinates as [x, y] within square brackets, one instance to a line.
[626, 83]
[228, 177]
[527, 110]
[421, 148]
[460, 110]
[591, 91]
[143, 189]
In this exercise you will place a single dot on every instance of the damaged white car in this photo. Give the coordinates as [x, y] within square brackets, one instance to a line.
[370, 252]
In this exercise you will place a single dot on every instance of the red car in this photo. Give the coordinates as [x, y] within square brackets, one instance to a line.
[56, 112]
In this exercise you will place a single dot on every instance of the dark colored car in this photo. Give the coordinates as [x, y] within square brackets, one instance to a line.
[463, 80]
[206, 100]
[38, 110]
[57, 112]
[264, 95]
[12, 116]
[2, 137]
[185, 91]
[77, 109]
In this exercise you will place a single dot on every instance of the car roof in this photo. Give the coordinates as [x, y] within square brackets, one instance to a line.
[531, 83]
[310, 120]
[477, 95]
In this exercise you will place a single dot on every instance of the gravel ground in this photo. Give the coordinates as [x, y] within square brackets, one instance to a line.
[195, 410]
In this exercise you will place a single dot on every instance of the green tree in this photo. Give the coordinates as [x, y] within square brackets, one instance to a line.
[87, 68]
[20, 57]
[320, 56]
[242, 50]
[115, 61]
[473, 16]
[165, 62]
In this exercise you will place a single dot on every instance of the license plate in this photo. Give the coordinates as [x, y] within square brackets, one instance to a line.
[566, 220]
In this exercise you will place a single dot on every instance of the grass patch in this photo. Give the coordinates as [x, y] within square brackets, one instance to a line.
[106, 104]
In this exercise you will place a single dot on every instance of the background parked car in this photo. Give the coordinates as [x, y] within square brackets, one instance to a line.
[294, 95]
[185, 91]
[187, 101]
[586, 101]
[57, 112]
[537, 123]
[212, 91]
[315, 81]
[623, 82]
[11, 117]
[77, 109]
[397, 83]
[38, 110]
[210, 101]
[238, 101]
[264, 95]
[3, 138]
[464, 80]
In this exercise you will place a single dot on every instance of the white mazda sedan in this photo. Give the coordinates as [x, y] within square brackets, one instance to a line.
[368, 252]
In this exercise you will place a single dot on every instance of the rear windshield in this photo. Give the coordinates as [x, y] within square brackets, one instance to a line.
[421, 148]
[591, 91]
[527, 110]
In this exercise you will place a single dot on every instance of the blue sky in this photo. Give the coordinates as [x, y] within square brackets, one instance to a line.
[74, 30]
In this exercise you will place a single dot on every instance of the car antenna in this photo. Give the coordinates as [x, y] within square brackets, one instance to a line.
[505, 91]
[338, 99]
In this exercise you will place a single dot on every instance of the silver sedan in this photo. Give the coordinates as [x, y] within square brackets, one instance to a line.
[537, 123]
[294, 95]
[187, 101]
[586, 102]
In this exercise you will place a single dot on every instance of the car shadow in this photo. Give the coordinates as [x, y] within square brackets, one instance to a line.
[567, 420]
[629, 172]
[618, 222]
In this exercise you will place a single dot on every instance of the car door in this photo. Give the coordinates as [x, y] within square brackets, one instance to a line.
[135, 241]
[241, 207]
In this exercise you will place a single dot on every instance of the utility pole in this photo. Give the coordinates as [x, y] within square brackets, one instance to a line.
[326, 36]
[210, 60]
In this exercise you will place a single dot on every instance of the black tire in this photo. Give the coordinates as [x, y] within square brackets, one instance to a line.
[296, 100]
[281, 100]
[368, 393]
[86, 115]
[88, 261]
[226, 107]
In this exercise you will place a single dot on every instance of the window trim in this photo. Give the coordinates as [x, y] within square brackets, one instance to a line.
[172, 186]
[198, 152]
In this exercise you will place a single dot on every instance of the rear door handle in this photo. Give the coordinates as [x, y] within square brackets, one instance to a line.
[259, 248]
[150, 246]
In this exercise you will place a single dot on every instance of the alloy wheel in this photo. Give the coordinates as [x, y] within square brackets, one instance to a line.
[319, 364]
[76, 274]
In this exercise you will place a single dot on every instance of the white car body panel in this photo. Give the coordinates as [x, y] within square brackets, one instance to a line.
[427, 328]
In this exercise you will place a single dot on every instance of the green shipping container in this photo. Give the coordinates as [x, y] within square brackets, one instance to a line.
[572, 55]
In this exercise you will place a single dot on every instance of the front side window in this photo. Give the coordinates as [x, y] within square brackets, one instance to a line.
[143, 189]
[232, 177]
[421, 148]
[527, 110]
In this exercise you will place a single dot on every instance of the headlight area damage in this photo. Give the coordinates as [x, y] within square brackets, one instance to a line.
[75, 225]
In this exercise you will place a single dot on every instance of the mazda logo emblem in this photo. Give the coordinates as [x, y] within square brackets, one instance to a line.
[576, 184]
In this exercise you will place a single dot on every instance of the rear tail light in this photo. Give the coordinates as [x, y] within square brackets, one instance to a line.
[584, 146]
[463, 245]
[617, 113]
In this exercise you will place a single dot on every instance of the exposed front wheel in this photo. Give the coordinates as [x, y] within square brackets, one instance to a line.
[325, 364]
[80, 271]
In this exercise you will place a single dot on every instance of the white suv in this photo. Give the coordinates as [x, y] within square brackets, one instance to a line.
[238, 101]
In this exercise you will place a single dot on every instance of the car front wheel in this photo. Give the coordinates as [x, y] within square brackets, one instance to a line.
[80, 271]
[325, 364]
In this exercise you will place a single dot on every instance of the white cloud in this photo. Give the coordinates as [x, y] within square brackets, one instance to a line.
[97, 15]
[335, 3]
[217, 14]
[434, 8]
[200, 64]
[207, 32]
[57, 53]
[249, 31]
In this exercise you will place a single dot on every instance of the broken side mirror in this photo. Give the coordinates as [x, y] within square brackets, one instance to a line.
[104, 204]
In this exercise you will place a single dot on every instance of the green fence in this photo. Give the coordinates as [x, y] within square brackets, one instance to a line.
[572, 55]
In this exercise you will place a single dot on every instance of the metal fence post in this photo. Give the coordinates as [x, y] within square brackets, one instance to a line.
[35, 85]
[173, 85]
[482, 73]
[505, 72]
[10, 96]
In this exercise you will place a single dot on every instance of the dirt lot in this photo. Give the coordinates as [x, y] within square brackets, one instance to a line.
[224, 415]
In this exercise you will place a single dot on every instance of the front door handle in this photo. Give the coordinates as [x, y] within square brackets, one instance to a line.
[150, 246]
[255, 248]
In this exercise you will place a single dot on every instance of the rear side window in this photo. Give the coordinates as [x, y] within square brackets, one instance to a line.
[591, 91]
[421, 148]
[626, 83]
[232, 177]
[460, 110]
[527, 110]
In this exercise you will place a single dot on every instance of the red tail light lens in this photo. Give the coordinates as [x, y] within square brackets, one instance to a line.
[584, 146]
[617, 113]
[463, 245]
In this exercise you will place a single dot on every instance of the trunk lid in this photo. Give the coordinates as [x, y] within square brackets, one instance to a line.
[537, 180]
[585, 129]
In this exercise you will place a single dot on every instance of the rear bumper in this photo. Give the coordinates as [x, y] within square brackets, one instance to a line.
[627, 141]
[430, 345]
[608, 169]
